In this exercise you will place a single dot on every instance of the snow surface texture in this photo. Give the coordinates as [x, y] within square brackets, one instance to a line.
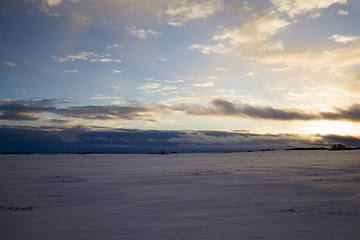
[258, 195]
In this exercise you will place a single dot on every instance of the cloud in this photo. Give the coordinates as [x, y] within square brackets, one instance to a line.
[117, 71]
[20, 112]
[331, 61]
[344, 13]
[351, 113]
[280, 69]
[225, 91]
[169, 88]
[250, 74]
[141, 33]
[10, 64]
[82, 56]
[37, 101]
[117, 89]
[206, 49]
[105, 97]
[349, 75]
[296, 7]
[52, 7]
[262, 25]
[221, 107]
[102, 112]
[253, 35]
[220, 69]
[57, 120]
[52, 2]
[86, 56]
[242, 7]
[178, 13]
[149, 86]
[344, 39]
[206, 84]
[175, 81]
[105, 60]
[71, 71]
[13, 116]
[27, 110]
[86, 139]
[113, 46]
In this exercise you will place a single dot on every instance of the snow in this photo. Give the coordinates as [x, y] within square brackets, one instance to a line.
[256, 195]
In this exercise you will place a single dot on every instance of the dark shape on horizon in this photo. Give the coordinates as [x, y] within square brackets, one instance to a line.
[340, 146]
[161, 152]
[16, 153]
[310, 148]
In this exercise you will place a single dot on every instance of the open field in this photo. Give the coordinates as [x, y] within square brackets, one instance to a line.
[258, 195]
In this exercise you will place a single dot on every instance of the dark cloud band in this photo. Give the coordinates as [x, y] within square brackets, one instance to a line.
[27, 109]
[84, 139]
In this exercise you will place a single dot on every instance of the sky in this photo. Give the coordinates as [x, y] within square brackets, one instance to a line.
[182, 75]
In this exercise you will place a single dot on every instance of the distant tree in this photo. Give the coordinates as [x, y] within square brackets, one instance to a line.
[338, 146]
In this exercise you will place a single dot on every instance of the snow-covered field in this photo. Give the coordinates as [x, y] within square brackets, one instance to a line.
[258, 195]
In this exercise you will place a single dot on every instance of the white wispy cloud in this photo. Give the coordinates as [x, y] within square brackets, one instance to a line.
[154, 80]
[114, 46]
[342, 12]
[99, 96]
[253, 35]
[82, 56]
[117, 89]
[85, 56]
[169, 88]
[296, 7]
[49, 7]
[149, 86]
[174, 81]
[348, 74]
[206, 84]
[220, 69]
[162, 59]
[225, 91]
[344, 39]
[331, 61]
[10, 64]
[280, 69]
[256, 32]
[105, 60]
[206, 49]
[71, 71]
[141, 33]
[249, 74]
[278, 89]
[117, 71]
[178, 13]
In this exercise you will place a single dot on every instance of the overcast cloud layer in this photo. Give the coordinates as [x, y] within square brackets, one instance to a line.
[81, 139]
